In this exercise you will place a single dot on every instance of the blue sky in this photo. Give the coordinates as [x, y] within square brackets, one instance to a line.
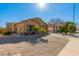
[15, 12]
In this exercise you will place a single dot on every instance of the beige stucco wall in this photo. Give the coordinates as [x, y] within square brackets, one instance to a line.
[50, 29]
[12, 27]
[22, 27]
[29, 23]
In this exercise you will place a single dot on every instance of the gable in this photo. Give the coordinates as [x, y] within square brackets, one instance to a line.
[33, 20]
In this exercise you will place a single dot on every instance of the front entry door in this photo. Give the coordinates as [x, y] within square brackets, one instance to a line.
[30, 28]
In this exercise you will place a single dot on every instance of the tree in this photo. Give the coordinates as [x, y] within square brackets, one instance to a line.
[68, 27]
[71, 27]
[62, 29]
[55, 22]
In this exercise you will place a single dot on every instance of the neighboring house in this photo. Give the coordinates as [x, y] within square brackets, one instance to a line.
[26, 25]
[50, 28]
[54, 27]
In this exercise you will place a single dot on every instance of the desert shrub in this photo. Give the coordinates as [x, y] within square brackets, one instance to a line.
[71, 28]
[39, 29]
[68, 27]
[42, 30]
[7, 33]
[0, 31]
[4, 31]
[63, 29]
[35, 28]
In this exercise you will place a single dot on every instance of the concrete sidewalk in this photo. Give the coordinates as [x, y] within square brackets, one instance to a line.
[72, 48]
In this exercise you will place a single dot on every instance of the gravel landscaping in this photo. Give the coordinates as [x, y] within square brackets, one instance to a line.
[31, 45]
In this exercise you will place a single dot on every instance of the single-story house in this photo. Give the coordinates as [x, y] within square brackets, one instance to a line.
[26, 25]
[54, 27]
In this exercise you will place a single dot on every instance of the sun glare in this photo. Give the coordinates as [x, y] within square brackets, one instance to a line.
[41, 5]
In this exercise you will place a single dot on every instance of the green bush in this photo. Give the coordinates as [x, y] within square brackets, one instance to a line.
[68, 27]
[42, 30]
[71, 28]
[63, 29]
[35, 28]
[4, 31]
[7, 33]
[39, 29]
